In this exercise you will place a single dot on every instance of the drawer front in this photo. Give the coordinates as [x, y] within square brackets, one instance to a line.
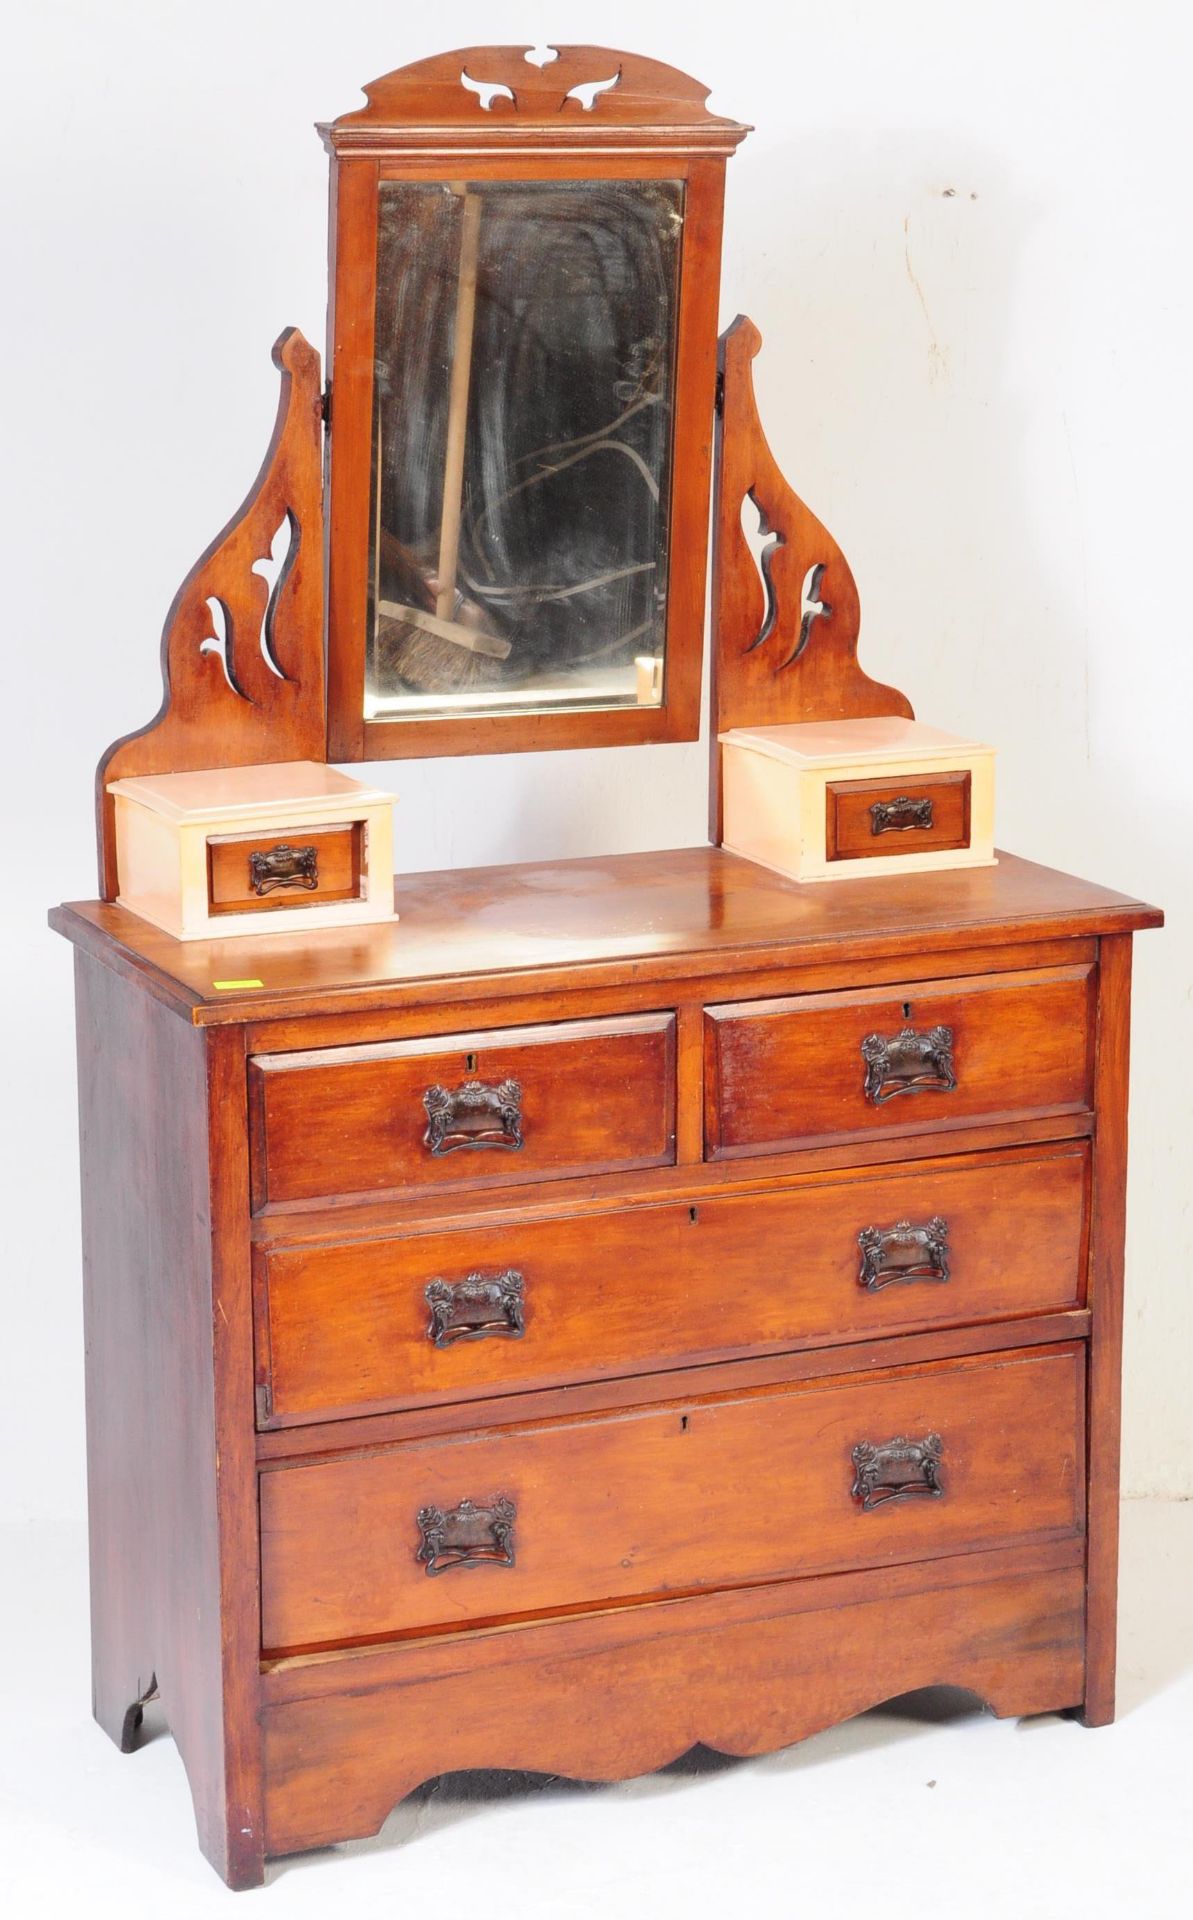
[468, 1110]
[781, 1482]
[865, 819]
[298, 868]
[819, 1067]
[402, 1322]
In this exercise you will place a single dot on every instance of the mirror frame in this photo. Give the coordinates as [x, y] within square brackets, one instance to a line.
[423, 122]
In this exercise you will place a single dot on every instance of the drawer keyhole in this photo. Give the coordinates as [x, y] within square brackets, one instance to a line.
[907, 1009]
[470, 1063]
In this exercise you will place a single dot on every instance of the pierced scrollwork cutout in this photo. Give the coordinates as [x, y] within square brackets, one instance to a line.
[467, 1535]
[811, 608]
[764, 543]
[494, 93]
[896, 1470]
[908, 1062]
[476, 1308]
[901, 815]
[588, 92]
[892, 1256]
[474, 1115]
[226, 640]
[284, 866]
[487, 91]
[274, 569]
[219, 642]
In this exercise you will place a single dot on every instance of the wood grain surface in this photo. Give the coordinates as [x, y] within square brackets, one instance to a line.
[697, 1494]
[607, 1696]
[595, 1096]
[338, 867]
[171, 1497]
[732, 1275]
[499, 931]
[849, 826]
[791, 1071]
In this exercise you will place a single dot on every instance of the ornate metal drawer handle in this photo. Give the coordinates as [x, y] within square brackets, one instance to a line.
[893, 1255]
[476, 1307]
[284, 866]
[474, 1116]
[908, 1062]
[467, 1535]
[901, 815]
[896, 1470]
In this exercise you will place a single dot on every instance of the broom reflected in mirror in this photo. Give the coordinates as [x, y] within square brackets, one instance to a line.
[435, 636]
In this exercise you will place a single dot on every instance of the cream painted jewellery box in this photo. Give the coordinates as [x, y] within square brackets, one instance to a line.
[838, 799]
[260, 849]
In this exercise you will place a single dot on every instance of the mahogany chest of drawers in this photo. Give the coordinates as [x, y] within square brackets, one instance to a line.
[626, 1303]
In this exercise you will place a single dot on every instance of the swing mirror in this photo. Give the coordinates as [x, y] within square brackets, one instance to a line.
[523, 369]
[522, 450]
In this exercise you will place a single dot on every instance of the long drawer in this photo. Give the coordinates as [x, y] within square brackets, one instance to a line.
[368, 1325]
[709, 1493]
[464, 1110]
[818, 1067]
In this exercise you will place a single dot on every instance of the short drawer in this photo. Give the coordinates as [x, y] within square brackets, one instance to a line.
[819, 1067]
[251, 873]
[464, 1110]
[371, 1325]
[865, 818]
[709, 1493]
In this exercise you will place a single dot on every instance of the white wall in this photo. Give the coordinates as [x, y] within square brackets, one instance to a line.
[963, 230]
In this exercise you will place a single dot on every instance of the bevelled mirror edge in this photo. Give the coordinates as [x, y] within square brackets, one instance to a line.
[646, 124]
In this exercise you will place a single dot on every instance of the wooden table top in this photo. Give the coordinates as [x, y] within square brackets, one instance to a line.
[594, 921]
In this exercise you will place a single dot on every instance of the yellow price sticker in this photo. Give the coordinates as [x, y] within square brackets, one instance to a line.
[230, 986]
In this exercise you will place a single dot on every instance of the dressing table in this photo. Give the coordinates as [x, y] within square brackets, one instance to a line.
[620, 1303]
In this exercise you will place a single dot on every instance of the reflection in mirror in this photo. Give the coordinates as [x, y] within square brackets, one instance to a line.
[521, 445]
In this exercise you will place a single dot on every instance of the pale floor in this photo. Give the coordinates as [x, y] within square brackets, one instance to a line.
[921, 1809]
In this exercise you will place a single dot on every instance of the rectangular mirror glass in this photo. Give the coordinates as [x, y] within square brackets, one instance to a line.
[521, 468]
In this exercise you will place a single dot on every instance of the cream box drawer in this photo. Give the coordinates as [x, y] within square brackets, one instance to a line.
[843, 799]
[261, 849]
